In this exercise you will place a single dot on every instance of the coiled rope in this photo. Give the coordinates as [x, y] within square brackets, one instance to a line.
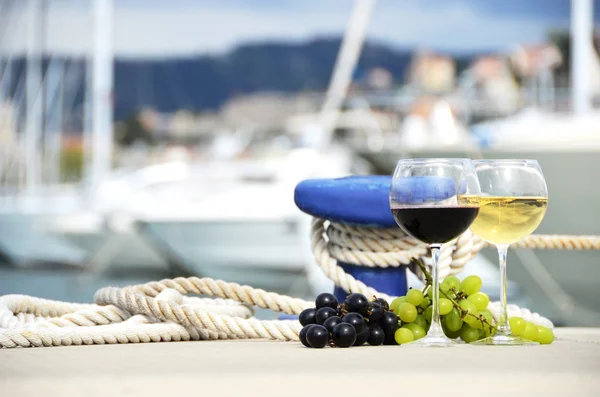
[159, 311]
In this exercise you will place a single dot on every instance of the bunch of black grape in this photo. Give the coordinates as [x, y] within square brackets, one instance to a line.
[354, 322]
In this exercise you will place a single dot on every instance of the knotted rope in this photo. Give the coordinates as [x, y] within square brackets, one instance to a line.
[159, 311]
[375, 247]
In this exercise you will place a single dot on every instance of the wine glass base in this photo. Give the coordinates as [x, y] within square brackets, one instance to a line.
[433, 341]
[504, 340]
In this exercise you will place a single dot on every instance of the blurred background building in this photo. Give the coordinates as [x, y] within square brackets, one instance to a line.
[142, 139]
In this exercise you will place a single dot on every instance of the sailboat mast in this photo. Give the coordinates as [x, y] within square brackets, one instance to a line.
[582, 22]
[5, 78]
[54, 82]
[102, 88]
[33, 121]
[346, 61]
[6, 55]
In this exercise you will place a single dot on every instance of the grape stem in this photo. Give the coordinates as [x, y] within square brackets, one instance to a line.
[428, 282]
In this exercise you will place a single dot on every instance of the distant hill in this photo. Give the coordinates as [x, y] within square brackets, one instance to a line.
[206, 82]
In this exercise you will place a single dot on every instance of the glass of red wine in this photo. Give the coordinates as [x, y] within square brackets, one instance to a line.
[424, 199]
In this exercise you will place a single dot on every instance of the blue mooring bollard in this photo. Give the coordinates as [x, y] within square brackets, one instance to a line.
[391, 281]
[356, 200]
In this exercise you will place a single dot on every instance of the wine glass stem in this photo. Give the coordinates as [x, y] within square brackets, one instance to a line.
[436, 328]
[504, 327]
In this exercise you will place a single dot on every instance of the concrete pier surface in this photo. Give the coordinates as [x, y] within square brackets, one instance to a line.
[568, 367]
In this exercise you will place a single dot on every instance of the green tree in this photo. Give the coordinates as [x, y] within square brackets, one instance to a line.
[71, 164]
[133, 131]
[562, 40]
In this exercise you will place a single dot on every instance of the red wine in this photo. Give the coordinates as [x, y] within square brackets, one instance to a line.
[435, 225]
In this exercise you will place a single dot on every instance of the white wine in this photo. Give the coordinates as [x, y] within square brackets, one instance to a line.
[505, 220]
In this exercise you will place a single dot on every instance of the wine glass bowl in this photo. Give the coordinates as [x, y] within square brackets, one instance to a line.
[424, 199]
[512, 204]
[514, 196]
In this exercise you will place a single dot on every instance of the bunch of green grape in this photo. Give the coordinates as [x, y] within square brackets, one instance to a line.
[464, 314]
[530, 331]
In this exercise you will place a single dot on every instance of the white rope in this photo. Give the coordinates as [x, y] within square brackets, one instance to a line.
[162, 317]
[516, 311]
[374, 247]
[160, 311]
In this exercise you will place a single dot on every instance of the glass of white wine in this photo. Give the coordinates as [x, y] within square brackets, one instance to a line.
[512, 204]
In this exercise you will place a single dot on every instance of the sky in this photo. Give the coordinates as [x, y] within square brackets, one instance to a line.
[179, 28]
